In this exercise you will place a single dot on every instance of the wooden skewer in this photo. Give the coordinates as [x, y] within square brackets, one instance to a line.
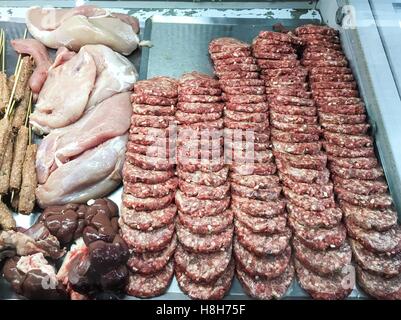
[3, 65]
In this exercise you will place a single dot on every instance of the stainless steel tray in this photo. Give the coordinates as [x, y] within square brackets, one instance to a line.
[180, 45]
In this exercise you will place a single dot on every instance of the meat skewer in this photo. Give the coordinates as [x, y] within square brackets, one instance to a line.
[29, 181]
[4, 88]
[6, 168]
[7, 221]
[26, 69]
[21, 111]
[20, 147]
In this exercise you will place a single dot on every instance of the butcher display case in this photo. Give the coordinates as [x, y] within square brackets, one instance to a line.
[178, 34]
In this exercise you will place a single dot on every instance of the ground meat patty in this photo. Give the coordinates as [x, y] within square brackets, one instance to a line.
[295, 92]
[237, 67]
[200, 208]
[268, 266]
[193, 165]
[373, 201]
[144, 241]
[198, 79]
[270, 194]
[362, 187]
[157, 190]
[343, 152]
[199, 98]
[380, 264]
[331, 78]
[345, 109]
[227, 44]
[147, 286]
[214, 179]
[134, 174]
[293, 100]
[229, 55]
[357, 163]
[200, 108]
[255, 182]
[303, 175]
[274, 55]
[238, 135]
[148, 140]
[157, 86]
[246, 116]
[328, 218]
[294, 137]
[253, 168]
[191, 90]
[262, 244]
[323, 288]
[152, 100]
[204, 192]
[271, 225]
[270, 73]
[349, 141]
[311, 148]
[202, 267]
[296, 127]
[277, 64]
[314, 162]
[208, 224]
[204, 243]
[213, 291]
[148, 162]
[258, 208]
[329, 70]
[379, 287]
[152, 262]
[295, 119]
[148, 220]
[380, 242]
[319, 238]
[293, 110]
[147, 204]
[346, 128]
[237, 75]
[188, 118]
[241, 82]
[326, 262]
[340, 119]
[239, 60]
[143, 109]
[365, 218]
[265, 288]
[258, 90]
[337, 101]
[310, 189]
[316, 29]
[160, 122]
[242, 125]
[307, 202]
[354, 173]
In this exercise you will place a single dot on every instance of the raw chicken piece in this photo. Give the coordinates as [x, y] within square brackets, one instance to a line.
[65, 93]
[62, 56]
[111, 118]
[114, 73]
[74, 28]
[42, 60]
[92, 175]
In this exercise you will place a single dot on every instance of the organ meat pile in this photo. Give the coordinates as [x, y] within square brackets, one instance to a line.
[320, 247]
[203, 259]
[359, 182]
[261, 244]
[148, 211]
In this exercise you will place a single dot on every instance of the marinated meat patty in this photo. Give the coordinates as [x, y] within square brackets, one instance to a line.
[205, 243]
[134, 174]
[157, 86]
[271, 194]
[307, 202]
[304, 161]
[157, 190]
[271, 225]
[214, 179]
[203, 192]
[202, 267]
[147, 204]
[310, 189]
[255, 182]
[258, 208]
[152, 262]
[362, 187]
[323, 262]
[328, 218]
[373, 201]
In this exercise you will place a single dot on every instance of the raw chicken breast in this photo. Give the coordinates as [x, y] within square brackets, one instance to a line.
[109, 119]
[92, 175]
[74, 28]
[65, 93]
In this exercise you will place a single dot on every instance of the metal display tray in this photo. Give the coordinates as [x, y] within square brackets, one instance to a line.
[179, 45]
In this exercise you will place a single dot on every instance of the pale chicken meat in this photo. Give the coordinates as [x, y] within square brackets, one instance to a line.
[65, 93]
[76, 27]
[93, 174]
[109, 119]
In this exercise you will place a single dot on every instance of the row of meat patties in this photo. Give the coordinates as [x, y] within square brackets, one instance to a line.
[203, 259]
[148, 211]
[321, 252]
[359, 182]
[261, 243]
